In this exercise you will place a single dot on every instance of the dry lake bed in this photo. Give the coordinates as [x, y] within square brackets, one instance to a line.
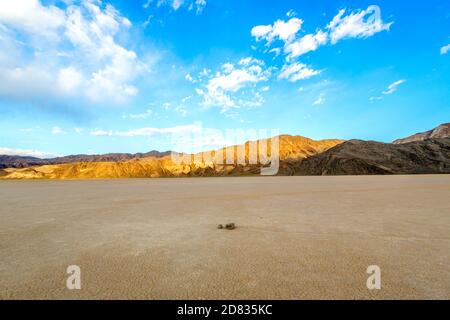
[296, 237]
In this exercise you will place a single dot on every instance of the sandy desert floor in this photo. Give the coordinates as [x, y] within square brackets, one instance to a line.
[297, 237]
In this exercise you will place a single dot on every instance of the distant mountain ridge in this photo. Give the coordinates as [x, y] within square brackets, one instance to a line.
[9, 161]
[442, 131]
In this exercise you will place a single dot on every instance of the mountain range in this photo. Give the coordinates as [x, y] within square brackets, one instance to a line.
[10, 161]
[427, 152]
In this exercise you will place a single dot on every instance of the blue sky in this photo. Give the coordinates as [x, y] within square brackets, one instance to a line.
[125, 76]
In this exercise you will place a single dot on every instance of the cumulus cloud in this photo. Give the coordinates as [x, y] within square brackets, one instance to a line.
[445, 49]
[65, 51]
[355, 24]
[280, 30]
[69, 79]
[221, 87]
[297, 71]
[305, 44]
[26, 153]
[31, 16]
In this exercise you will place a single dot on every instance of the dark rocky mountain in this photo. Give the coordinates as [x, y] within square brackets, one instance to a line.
[357, 157]
[442, 131]
[7, 161]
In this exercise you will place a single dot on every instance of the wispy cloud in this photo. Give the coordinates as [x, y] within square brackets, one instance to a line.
[26, 152]
[196, 5]
[297, 71]
[150, 131]
[357, 24]
[320, 100]
[393, 87]
[147, 131]
[57, 130]
[100, 133]
[143, 115]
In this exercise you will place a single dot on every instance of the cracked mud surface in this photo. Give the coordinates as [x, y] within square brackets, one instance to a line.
[296, 237]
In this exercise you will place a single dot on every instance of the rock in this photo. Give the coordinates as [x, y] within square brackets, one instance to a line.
[230, 226]
[220, 226]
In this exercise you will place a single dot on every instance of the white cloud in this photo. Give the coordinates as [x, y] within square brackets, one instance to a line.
[65, 51]
[31, 16]
[389, 90]
[261, 32]
[281, 30]
[198, 5]
[220, 88]
[69, 79]
[26, 153]
[290, 13]
[78, 130]
[57, 130]
[100, 133]
[256, 100]
[183, 100]
[150, 131]
[372, 99]
[305, 44]
[445, 49]
[393, 87]
[297, 71]
[358, 24]
[143, 115]
[276, 51]
[189, 78]
[319, 100]
[227, 67]
[181, 109]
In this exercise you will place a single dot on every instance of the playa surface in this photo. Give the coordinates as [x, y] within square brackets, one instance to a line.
[296, 237]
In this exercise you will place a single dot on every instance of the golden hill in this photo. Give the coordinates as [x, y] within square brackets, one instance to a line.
[291, 148]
